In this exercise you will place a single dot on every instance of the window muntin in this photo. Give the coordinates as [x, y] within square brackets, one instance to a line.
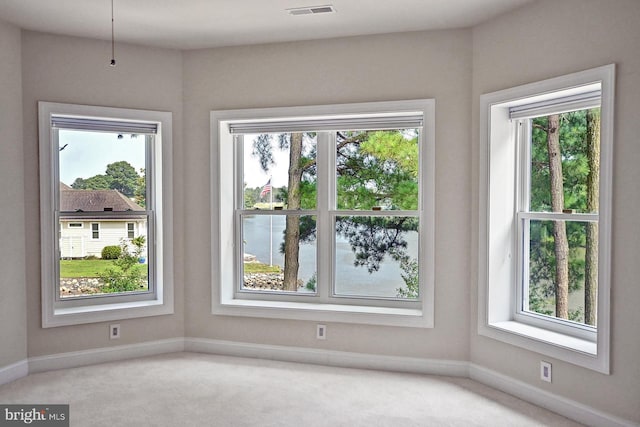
[158, 213]
[377, 169]
[558, 217]
[101, 168]
[279, 175]
[265, 259]
[374, 171]
[377, 256]
[95, 230]
[503, 191]
[267, 170]
[226, 192]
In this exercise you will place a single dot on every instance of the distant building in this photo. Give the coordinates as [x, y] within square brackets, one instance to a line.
[85, 236]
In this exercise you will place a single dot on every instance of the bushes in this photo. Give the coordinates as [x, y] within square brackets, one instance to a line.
[111, 252]
[126, 275]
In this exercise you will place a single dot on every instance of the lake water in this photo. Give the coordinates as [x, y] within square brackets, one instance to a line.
[350, 280]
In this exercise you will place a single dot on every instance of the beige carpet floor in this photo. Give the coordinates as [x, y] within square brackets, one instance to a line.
[191, 389]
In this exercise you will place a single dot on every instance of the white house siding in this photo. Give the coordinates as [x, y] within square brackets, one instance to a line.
[79, 243]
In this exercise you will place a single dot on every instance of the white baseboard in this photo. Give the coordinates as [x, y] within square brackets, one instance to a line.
[103, 355]
[553, 402]
[328, 357]
[14, 371]
[558, 404]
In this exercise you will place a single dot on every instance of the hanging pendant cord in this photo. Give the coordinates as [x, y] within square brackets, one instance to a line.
[113, 43]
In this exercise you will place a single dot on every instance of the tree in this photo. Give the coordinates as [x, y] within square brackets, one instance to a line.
[140, 193]
[292, 230]
[119, 176]
[377, 168]
[374, 168]
[593, 195]
[126, 276]
[123, 177]
[575, 175]
[97, 182]
[559, 228]
[410, 275]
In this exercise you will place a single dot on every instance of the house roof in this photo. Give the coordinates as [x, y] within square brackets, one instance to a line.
[95, 201]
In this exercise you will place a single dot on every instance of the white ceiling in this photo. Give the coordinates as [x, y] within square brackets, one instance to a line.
[192, 24]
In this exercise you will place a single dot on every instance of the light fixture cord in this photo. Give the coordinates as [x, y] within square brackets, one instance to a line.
[113, 43]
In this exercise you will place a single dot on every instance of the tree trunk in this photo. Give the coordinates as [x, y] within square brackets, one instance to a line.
[292, 232]
[593, 195]
[559, 228]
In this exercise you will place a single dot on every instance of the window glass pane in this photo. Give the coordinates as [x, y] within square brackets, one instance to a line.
[279, 171]
[565, 155]
[562, 269]
[377, 169]
[376, 256]
[95, 231]
[100, 161]
[279, 253]
[102, 173]
[119, 265]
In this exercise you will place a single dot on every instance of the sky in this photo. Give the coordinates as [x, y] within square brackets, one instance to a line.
[254, 176]
[88, 153]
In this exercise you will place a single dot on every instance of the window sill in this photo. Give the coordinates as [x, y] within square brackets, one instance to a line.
[564, 347]
[324, 312]
[106, 312]
[548, 337]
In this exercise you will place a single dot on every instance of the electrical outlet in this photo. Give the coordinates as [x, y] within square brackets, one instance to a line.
[321, 332]
[114, 332]
[545, 371]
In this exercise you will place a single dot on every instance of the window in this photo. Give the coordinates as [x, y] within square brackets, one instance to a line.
[545, 197]
[95, 230]
[332, 212]
[109, 167]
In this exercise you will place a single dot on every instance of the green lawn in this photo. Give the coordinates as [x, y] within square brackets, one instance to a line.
[91, 267]
[267, 206]
[256, 267]
[87, 267]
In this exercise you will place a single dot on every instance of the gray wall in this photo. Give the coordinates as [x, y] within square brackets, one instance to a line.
[13, 333]
[75, 70]
[374, 68]
[542, 40]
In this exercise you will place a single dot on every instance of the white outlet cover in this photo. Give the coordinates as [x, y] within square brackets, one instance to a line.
[321, 332]
[114, 331]
[545, 371]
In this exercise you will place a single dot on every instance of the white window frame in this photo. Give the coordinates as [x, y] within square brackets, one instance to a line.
[96, 230]
[75, 225]
[132, 231]
[226, 300]
[500, 233]
[159, 301]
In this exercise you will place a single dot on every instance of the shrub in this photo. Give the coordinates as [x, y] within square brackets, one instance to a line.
[126, 275]
[111, 252]
[311, 284]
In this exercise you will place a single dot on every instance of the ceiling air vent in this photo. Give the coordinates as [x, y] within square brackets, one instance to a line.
[312, 10]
